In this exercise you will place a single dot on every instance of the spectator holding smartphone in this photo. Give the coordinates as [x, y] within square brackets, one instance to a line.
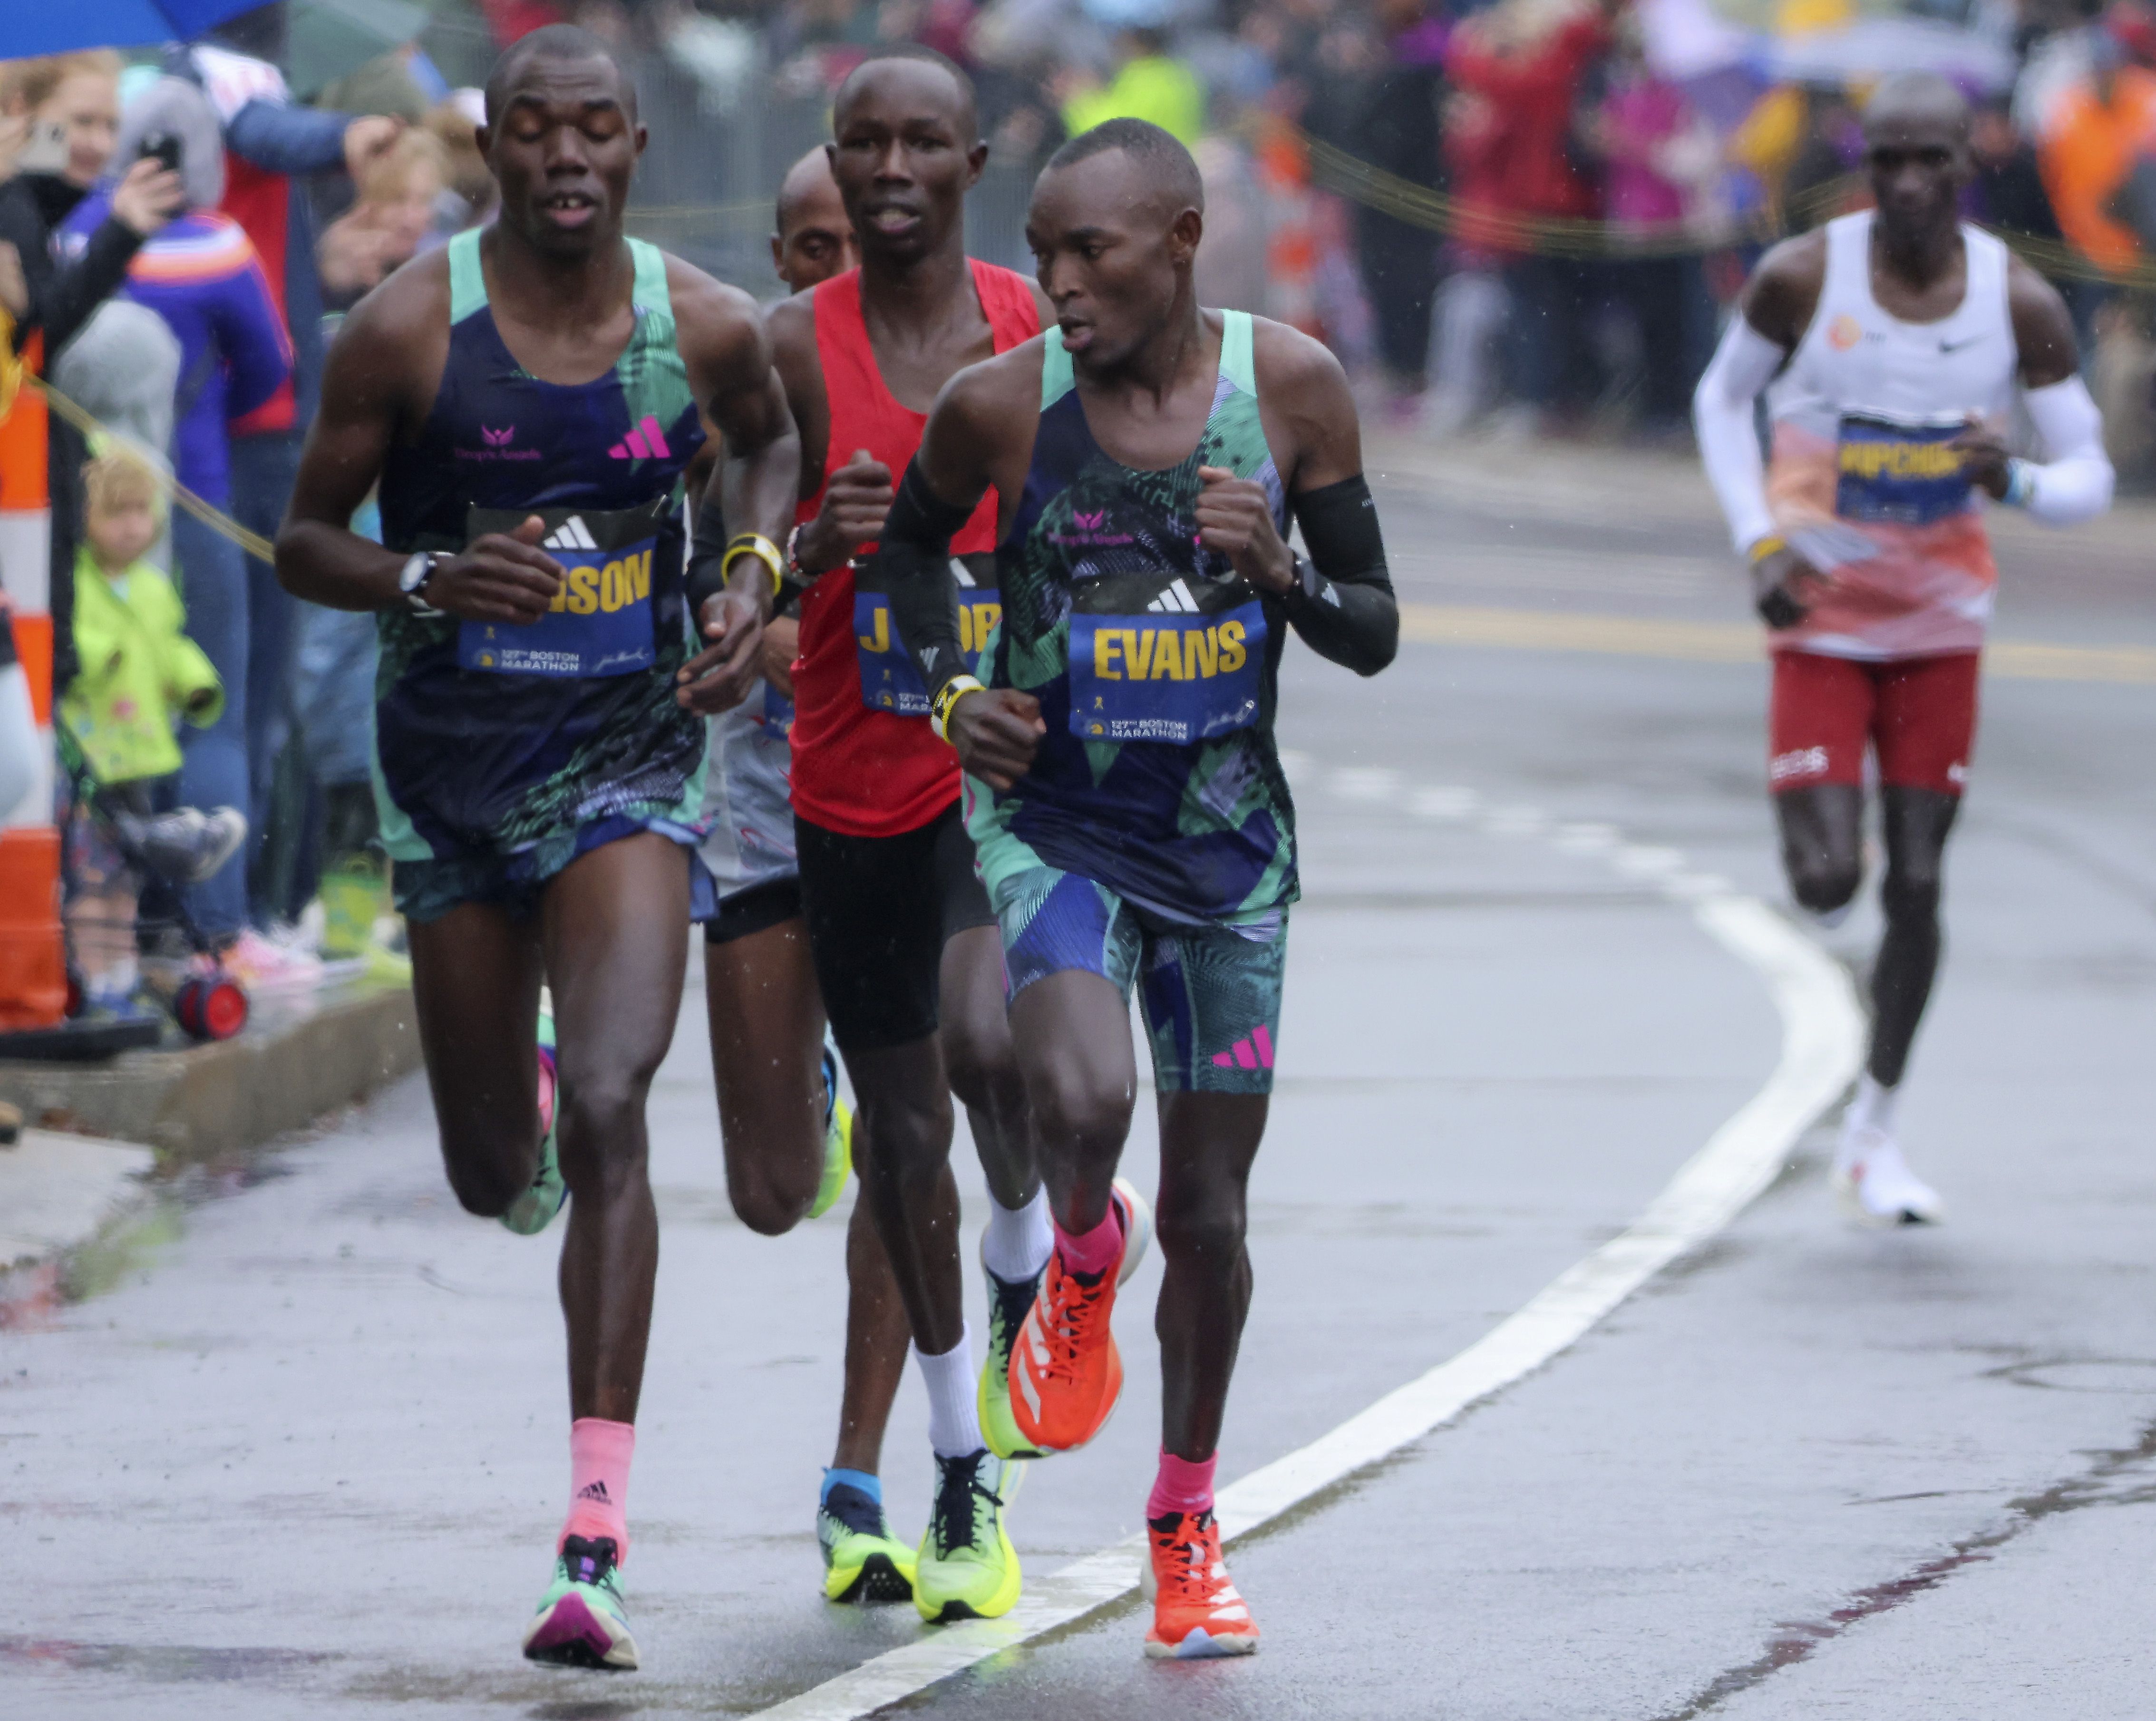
[66, 112]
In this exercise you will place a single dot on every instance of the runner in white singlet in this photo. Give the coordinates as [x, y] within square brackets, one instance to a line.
[1900, 338]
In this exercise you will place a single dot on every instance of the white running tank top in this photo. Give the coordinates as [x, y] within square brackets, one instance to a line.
[1860, 481]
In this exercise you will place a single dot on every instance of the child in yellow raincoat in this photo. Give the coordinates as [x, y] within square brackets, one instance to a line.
[139, 676]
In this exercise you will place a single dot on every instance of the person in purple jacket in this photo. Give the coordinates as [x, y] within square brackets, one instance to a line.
[203, 276]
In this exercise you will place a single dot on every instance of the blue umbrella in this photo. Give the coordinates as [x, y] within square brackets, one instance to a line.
[113, 23]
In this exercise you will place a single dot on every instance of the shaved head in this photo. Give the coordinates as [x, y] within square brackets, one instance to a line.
[1159, 156]
[807, 181]
[925, 75]
[554, 44]
[1918, 97]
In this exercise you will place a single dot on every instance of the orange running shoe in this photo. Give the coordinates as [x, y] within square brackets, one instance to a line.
[1197, 1610]
[1065, 1372]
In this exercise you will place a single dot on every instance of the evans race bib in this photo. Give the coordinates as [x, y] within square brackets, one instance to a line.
[1175, 678]
[1892, 472]
[890, 682]
[600, 623]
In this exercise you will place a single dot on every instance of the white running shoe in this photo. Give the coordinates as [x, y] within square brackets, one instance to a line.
[1875, 1184]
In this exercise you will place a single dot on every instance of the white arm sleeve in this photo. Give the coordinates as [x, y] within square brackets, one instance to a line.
[2075, 485]
[1744, 363]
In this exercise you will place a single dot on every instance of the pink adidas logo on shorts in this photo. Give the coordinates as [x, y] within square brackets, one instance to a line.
[1255, 1053]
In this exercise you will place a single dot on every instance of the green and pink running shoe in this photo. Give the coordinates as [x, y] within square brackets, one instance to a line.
[581, 1622]
[532, 1212]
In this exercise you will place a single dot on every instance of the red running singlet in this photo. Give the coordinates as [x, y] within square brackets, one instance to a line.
[857, 770]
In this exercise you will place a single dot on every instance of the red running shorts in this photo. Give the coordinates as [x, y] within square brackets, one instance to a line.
[1919, 713]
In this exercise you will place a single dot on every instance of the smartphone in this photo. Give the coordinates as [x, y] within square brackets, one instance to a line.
[161, 147]
[44, 151]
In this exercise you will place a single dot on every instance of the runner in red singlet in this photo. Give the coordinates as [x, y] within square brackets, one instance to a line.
[904, 945]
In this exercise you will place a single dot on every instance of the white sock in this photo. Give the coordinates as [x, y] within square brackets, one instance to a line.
[1018, 1239]
[1872, 1108]
[954, 1422]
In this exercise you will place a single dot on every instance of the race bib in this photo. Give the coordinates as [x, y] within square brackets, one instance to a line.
[777, 711]
[600, 623]
[890, 681]
[1892, 473]
[1174, 678]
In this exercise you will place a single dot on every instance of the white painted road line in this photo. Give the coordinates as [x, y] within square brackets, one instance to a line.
[1822, 1048]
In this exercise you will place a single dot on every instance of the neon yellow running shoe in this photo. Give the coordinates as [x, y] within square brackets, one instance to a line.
[1009, 1301]
[862, 1560]
[967, 1569]
[838, 1139]
[532, 1212]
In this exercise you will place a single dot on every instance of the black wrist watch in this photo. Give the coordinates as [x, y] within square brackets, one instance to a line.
[412, 580]
[1308, 581]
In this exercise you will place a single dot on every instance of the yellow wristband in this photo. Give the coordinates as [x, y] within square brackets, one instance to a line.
[755, 544]
[947, 696]
[1771, 545]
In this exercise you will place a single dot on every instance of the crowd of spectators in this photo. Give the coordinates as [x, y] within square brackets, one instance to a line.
[1509, 218]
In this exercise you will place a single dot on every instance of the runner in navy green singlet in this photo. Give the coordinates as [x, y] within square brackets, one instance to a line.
[528, 400]
[1125, 800]
[1155, 807]
[504, 750]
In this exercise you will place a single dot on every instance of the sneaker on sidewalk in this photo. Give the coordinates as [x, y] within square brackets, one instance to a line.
[1875, 1184]
[186, 844]
[261, 964]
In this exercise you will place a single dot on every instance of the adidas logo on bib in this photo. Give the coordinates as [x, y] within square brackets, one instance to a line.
[572, 534]
[1176, 600]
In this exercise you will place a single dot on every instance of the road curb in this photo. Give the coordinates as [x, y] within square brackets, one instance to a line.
[300, 1059]
[59, 1191]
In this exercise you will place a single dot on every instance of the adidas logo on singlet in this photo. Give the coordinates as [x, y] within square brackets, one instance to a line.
[646, 442]
[573, 535]
[1176, 600]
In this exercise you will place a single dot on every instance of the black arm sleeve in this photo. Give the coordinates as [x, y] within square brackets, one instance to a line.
[707, 545]
[912, 568]
[1351, 616]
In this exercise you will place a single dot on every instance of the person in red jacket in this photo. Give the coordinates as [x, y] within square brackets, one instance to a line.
[1525, 60]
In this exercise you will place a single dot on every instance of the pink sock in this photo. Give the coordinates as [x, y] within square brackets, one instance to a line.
[600, 1452]
[1096, 1250]
[1181, 1485]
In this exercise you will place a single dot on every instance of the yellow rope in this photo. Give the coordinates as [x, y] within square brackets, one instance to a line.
[214, 518]
[1419, 206]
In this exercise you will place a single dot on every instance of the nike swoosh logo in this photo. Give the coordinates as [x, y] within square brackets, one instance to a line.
[1957, 346]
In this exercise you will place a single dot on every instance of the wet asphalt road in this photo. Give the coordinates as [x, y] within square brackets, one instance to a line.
[305, 1449]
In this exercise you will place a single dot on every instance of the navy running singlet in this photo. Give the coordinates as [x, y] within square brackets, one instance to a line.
[502, 752]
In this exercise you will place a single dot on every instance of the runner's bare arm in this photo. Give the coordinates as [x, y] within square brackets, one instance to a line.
[2076, 481]
[858, 494]
[982, 413]
[1341, 600]
[1776, 308]
[728, 355]
[377, 386]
